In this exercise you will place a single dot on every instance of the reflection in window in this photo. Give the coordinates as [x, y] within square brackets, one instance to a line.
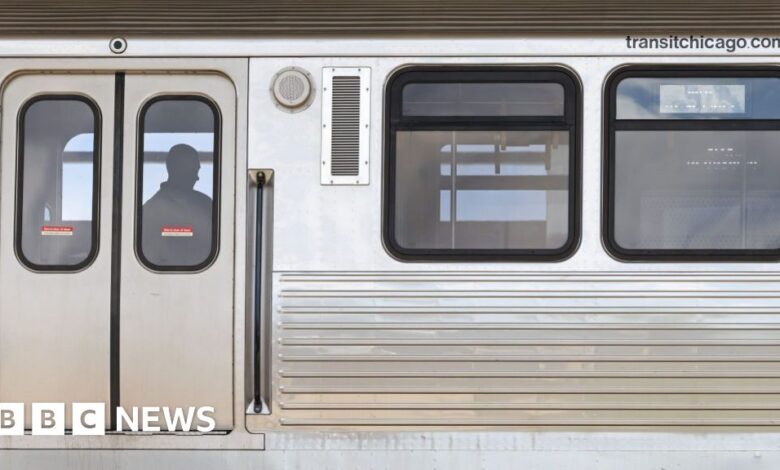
[703, 190]
[57, 204]
[481, 164]
[483, 99]
[697, 190]
[76, 190]
[698, 98]
[178, 180]
[507, 195]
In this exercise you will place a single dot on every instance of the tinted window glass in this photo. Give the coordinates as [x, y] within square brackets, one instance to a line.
[57, 202]
[703, 189]
[698, 98]
[178, 183]
[481, 164]
[694, 190]
[482, 189]
[483, 99]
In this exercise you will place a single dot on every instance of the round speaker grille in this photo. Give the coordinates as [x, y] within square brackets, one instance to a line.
[291, 88]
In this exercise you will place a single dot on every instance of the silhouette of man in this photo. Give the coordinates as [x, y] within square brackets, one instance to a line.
[176, 221]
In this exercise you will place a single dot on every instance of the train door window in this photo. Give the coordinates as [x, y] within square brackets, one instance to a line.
[481, 164]
[692, 170]
[57, 183]
[178, 178]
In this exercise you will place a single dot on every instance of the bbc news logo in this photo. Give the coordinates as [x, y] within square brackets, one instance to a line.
[89, 419]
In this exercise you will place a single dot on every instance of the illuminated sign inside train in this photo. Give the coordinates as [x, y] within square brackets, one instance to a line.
[702, 99]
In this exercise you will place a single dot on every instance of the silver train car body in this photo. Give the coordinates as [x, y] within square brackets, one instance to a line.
[366, 360]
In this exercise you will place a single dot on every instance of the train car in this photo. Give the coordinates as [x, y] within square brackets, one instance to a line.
[410, 234]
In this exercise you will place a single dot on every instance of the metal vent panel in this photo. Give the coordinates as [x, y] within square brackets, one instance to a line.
[345, 125]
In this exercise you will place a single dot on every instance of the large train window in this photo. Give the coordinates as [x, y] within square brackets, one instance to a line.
[57, 183]
[178, 175]
[692, 164]
[481, 164]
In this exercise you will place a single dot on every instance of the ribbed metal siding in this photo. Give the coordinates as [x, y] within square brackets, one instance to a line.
[342, 17]
[445, 350]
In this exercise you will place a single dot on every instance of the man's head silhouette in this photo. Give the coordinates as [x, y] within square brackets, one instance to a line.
[183, 166]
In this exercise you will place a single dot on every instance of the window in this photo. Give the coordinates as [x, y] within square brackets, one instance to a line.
[57, 183]
[692, 169]
[481, 164]
[178, 191]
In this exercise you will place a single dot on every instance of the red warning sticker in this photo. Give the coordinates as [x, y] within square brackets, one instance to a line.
[56, 230]
[176, 231]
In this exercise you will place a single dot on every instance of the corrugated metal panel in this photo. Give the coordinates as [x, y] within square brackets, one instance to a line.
[445, 350]
[343, 17]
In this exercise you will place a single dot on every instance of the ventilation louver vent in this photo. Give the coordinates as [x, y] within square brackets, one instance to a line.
[345, 125]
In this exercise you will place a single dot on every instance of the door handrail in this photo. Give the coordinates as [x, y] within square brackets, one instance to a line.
[258, 300]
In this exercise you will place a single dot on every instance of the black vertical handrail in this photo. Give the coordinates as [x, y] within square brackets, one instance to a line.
[257, 385]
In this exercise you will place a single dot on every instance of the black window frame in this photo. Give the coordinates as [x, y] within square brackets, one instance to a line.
[612, 125]
[139, 184]
[96, 170]
[570, 121]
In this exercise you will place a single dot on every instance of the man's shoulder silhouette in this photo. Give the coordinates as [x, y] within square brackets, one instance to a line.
[177, 205]
[167, 196]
